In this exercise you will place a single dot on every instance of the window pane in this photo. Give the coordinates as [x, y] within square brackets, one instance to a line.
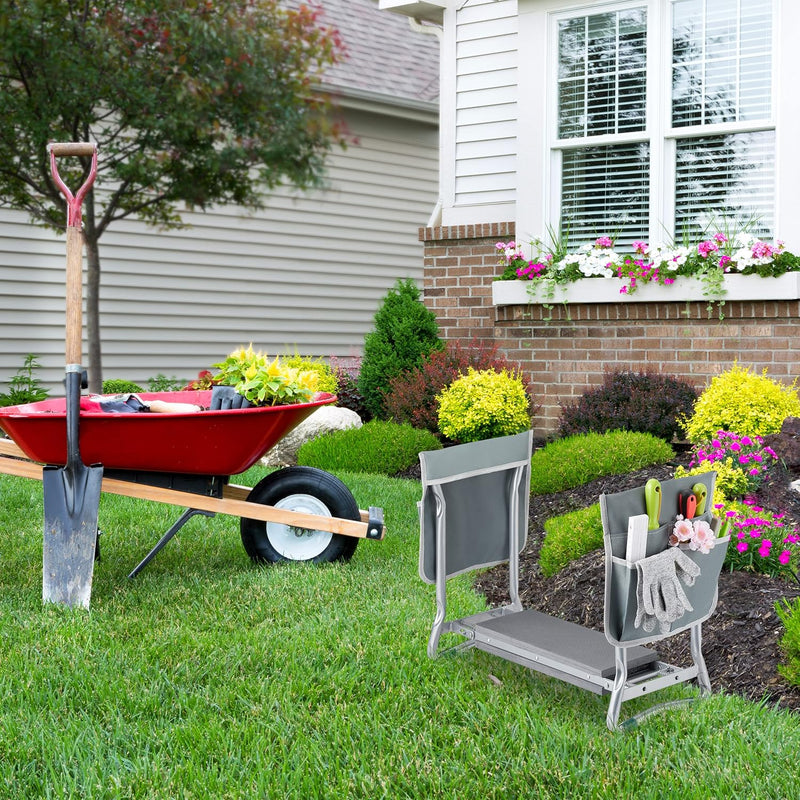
[721, 61]
[604, 190]
[601, 73]
[729, 177]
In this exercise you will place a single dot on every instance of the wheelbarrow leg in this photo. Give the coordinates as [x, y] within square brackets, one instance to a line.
[182, 520]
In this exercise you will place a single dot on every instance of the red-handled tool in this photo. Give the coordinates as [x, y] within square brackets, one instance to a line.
[687, 505]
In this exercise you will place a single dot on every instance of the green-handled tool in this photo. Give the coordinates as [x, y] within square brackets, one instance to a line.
[701, 493]
[652, 502]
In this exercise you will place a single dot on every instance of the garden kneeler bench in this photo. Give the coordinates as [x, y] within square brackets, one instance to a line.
[474, 514]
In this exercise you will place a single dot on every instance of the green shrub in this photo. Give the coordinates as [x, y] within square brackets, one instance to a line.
[405, 331]
[413, 394]
[377, 447]
[326, 378]
[24, 386]
[570, 536]
[575, 460]
[647, 402]
[483, 404]
[161, 383]
[741, 402]
[119, 386]
[789, 613]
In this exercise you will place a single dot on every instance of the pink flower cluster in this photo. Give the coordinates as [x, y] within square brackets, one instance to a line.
[696, 533]
[639, 270]
[746, 453]
[753, 529]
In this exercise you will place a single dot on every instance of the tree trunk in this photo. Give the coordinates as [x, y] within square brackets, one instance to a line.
[95, 364]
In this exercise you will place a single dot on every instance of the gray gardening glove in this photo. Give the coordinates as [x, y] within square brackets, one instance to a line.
[685, 568]
[224, 397]
[659, 595]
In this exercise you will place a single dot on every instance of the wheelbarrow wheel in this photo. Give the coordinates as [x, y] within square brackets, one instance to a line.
[311, 491]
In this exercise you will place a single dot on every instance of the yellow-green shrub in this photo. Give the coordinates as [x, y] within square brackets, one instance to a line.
[483, 404]
[327, 378]
[742, 402]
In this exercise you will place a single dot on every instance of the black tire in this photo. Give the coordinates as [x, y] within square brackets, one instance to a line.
[307, 489]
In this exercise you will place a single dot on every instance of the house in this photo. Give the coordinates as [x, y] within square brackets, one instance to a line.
[305, 274]
[640, 119]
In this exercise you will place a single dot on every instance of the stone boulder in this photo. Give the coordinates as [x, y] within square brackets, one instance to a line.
[323, 420]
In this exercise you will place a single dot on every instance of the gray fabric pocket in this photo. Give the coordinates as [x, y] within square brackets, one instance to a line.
[620, 611]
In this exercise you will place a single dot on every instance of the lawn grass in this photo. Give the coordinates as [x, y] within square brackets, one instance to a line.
[208, 677]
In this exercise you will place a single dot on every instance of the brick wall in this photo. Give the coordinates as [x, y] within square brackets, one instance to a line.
[568, 353]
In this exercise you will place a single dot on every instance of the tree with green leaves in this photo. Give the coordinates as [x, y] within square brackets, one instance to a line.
[191, 104]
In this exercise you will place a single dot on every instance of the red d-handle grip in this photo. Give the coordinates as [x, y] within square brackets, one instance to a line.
[75, 201]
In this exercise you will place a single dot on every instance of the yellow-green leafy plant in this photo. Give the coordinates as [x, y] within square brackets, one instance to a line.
[326, 378]
[743, 402]
[483, 404]
[265, 382]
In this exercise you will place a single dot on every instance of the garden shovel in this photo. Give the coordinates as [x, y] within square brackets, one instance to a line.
[72, 492]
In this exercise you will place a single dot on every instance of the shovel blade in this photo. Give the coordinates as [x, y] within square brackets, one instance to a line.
[71, 502]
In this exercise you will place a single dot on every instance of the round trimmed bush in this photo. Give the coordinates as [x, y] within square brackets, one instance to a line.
[119, 386]
[484, 404]
[740, 401]
[645, 402]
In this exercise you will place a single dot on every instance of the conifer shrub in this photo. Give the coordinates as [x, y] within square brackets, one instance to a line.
[405, 331]
[742, 402]
[413, 394]
[644, 402]
[484, 404]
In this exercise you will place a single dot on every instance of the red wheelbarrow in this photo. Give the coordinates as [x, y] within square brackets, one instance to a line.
[186, 459]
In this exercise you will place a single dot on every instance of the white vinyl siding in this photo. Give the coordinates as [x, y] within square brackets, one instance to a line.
[485, 124]
[306, 273]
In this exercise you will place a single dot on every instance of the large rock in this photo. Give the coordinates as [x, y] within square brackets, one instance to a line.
[323, 420]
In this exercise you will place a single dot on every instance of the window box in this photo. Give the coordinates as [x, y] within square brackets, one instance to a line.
[606, 290]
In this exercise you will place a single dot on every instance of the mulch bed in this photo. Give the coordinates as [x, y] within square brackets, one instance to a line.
[740, 640]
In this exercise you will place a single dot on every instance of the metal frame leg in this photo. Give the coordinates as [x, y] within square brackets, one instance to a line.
[182, 520]
[696, 647]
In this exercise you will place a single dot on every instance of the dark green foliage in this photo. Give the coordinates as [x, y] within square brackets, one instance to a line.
[646, 402]
[405, 332]
[24, 386]
[121, 386]
[348, 394]
[380, 448]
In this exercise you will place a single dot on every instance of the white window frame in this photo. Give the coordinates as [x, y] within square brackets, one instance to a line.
[539, 173]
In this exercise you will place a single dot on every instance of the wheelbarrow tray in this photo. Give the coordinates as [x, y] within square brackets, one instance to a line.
[203, 443]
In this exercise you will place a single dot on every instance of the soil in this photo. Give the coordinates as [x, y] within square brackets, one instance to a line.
[741, 640]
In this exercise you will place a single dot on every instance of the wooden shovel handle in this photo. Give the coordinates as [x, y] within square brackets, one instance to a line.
[74, 330]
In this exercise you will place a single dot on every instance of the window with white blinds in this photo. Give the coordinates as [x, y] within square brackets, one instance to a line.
[626, 169]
